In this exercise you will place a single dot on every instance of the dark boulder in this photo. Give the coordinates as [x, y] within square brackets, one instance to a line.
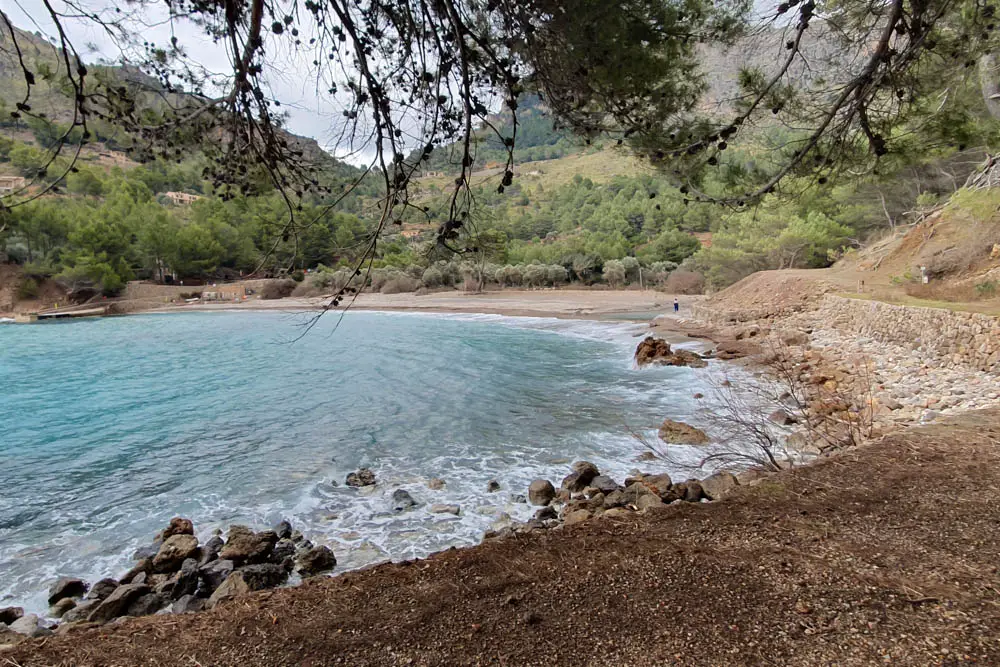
[285, 548]
[185, 582]
[694, 491]
[210, 550]
[402, 501]
[145, 605]
[492, 486]
[10, 614]
[315, 561]
[80, 612]
[187, 604]
[283, 530]
[263, 575]
[546, 513]
[117, 603]
[583, 473]
[604, 484]
[102, 589]
[66, 587]
[213, 574]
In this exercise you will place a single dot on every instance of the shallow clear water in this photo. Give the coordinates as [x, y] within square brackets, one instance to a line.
[109, 427]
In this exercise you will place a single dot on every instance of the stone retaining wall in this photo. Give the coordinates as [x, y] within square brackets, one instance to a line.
[953, 338]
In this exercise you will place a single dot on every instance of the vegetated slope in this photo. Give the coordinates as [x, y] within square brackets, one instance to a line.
[882, 554]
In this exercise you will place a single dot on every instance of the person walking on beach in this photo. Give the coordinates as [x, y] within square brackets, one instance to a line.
[677, 306]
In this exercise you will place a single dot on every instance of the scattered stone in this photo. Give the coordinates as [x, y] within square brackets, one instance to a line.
[657, 351]
[435, 484]
[315, 561]
[178, 526]
[781, 418]
[363, 477]
[245, 546]
[118, 602]
[144, 566]
[675, 432]
[402, 501]
[283, 530]
[576, 516]
[10, 614]
[645, 456]
[66, 587]
[583, 473]
[61, 607]
[232, 587]
[187, 604]
[444, 509]
[604, 484]
[718, 485]
[264, 575]
[648, 501]
[213, 574]
[102, 589]
[492, 486]
[699, 395]
[174, 551]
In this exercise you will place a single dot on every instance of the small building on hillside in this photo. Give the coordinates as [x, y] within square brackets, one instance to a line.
[11, 184]
[181, 198]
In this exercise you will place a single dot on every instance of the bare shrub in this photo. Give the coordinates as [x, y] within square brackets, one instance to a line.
[684, 282]
[278, 289]
[400, 283]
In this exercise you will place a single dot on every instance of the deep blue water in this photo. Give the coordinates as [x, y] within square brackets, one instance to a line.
[109, 427]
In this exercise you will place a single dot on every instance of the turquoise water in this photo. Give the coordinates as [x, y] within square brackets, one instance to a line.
[109, 427]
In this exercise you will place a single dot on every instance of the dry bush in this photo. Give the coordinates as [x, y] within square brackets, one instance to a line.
[278, 289]
[399, 284]
[684, 282]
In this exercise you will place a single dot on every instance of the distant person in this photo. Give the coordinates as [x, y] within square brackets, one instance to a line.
[677, 305]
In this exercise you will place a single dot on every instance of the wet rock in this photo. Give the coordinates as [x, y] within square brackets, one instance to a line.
[648, 501]
[444, 509]
[245, 546]
[144, 566]
[718, 485]
[147, 552]
[518, 498]
[118, 602]
[283, 530]
[315, 561]
[781, 418]
[187, 604]
[297, 536]
[213, 574]
[699, 395]
[145, 605]
[541, 492]
[675, 432]
[102, 589]
[363, 477]
[645, 456]
[435, 484]
[285, 548]
[178, 526]
[402, 501]
[492, 486]
[232, 587]
[263, 575]
[576, 516]
[657, 351]
[10, 614]
[210, 550]
[66, 587]
[80, 612]
[29, 626]
[547, 513]
[61, 607]
[174, 551]
[604, 484]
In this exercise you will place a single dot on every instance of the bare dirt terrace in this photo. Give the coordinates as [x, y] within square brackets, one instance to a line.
[885, 554]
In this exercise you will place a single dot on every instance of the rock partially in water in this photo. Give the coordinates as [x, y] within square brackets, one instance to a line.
[283, 530]
[315, 561]
[444, 509]
[678, 433]
[435, 484]
[61, 607]
[363, 477]
[402, 500]
[657, 351]
[285, 548]
[492, 486]
[144, 566]
[583, 473]
[178, 526]
[66, 587]
[541, 492]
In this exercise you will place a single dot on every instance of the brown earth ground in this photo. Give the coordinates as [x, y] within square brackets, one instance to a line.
[882, 554]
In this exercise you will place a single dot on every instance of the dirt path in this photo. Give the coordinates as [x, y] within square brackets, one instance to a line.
[884, 554]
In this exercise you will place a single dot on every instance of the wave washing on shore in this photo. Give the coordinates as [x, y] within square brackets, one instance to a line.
[112, 426]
